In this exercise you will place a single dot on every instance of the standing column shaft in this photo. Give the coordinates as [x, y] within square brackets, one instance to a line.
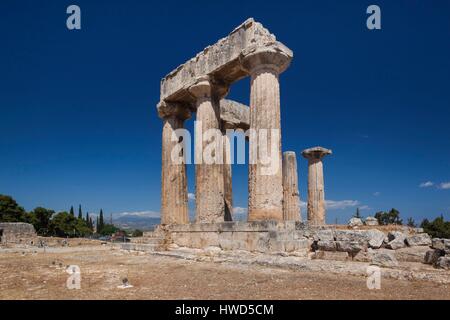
[209, 192]
[291, 198]
[174, 198]
[316, 192]
[316, 188]
[265, 168]
[227, 178]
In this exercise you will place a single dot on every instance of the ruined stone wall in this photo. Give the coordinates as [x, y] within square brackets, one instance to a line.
[17, 233]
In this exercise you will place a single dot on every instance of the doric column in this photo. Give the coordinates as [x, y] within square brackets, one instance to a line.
[174, 198]
[291, 197]
[265, 168]
[209, 192]
[316, 189]
[227, 176]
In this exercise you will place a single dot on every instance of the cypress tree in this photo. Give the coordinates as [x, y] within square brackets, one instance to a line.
[80, 214]
[71, 211]
[101, 221]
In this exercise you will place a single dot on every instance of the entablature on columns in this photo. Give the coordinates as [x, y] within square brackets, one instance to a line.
[227, 61]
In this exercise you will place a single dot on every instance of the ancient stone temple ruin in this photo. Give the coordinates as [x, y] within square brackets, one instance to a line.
[274, 225]
[200, 86]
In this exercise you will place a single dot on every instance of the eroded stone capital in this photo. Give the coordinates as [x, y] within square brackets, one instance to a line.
[173, 109]
[207, 87]
[316, 153]
[273, 56]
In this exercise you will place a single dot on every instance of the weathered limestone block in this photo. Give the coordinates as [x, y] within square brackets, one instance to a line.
[371, 221]
[291, 196]
[352, 247]
[174, 195]
[443, 263]
[432, 256]
[355, 222]
[421, 239]
[396, 240]
[316, 188]
[327, 245]
[350, 235]
[442, 244]
[234, 115]
[384, 258]
[324, 235]
[220, 60]
[375, 238]
[437, 243]
[411, 254]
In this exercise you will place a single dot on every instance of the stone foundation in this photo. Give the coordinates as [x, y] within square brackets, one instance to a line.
[324, 242]
[17, 233]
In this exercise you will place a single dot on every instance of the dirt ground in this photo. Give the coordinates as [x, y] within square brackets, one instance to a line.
[29, 275]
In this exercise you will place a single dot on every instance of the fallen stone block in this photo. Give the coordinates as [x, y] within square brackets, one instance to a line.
[411, 254]
[325, 235]
[375, 238]
[396, 240]
[437, 243]
[326, 245]
[384, 259]
[432, 256]
[421, 239]
[443, 263]
[352, 247]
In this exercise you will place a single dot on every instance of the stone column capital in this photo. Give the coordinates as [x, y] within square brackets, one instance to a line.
[173, 109]
[316, 153]
[207, 87]
[273, 56]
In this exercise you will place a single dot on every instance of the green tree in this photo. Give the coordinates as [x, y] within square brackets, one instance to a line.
[108, 229]
[40, 218]
[357, 214]
[10, 211]
[137, 233]
[411, 223]
[101, 222]
[80, 213]
[64, 225]
[438, 228]
[71, 211]
[391, 217]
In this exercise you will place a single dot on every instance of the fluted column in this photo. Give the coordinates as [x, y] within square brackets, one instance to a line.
[210, 204]
[174, 198]
[265, 170]
[316, 188]
[227, 177]
[291, 198]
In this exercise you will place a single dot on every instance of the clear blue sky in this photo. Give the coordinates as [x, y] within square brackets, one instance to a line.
[78, 118]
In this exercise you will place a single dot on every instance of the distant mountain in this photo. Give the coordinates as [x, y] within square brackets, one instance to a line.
[144, 220]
